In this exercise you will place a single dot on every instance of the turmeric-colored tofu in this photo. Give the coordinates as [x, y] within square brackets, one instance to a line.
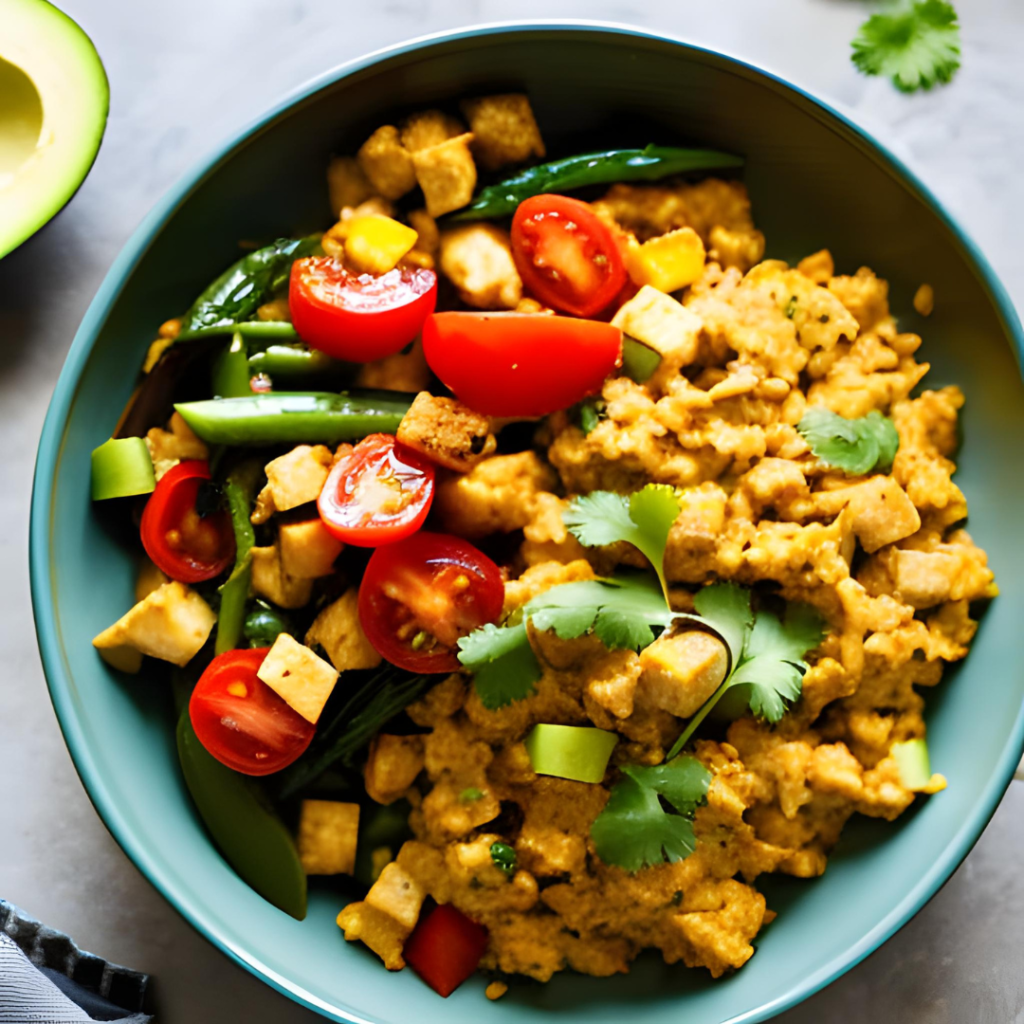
[308, 551]
[882, 513]
[374, 244]
[428, 240]
[148, 579]
[661, 323]
[387, 164]
[477, 259]
[299, 476]
[328, 834]
[300, 678]
[679, 672]
[392, 766]
[337, 630]
[504, 129]
[925, 578]
[446, 173]
[347, 185]
[446, 432]
[171, 623]
[269, 580]
[668, 262]
[429, 128]
[378, 930]
[397, 894]
[169, 447]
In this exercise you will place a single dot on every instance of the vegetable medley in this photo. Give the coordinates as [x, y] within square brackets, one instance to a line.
[537, 560]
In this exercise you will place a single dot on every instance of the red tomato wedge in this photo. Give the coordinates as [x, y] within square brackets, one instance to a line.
[358, 317]
[566, 255]
[377, 494]
[420, 596]
[445, 948]
[241, 721]
[182, 543]
[520, 364]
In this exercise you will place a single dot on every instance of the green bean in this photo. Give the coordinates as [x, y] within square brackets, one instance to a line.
[278, 329]
[296, 416]
[293, 361]
[230, 372]
[239, 490]
[648, 164]
[252, 838]
[638, 361]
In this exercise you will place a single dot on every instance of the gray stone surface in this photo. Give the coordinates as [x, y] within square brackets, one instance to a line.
[183, 74]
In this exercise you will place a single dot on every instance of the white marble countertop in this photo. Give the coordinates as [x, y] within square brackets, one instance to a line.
[183, 75]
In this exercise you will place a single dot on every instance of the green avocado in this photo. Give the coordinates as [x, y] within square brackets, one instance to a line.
[53, 109]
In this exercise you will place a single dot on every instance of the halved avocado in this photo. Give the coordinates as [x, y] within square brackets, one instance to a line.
[53, 109]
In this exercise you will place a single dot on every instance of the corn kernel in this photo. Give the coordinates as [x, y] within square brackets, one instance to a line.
[375, 243]
[668, 262]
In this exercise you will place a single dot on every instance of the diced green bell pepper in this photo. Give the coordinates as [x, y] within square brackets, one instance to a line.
[573, 752]
[121, 467]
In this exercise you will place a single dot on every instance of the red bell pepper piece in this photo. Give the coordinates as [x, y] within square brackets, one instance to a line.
[445, 948]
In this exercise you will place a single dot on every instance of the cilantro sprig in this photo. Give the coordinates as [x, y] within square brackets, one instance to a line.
[635, 830]
[915, 43]
[855, 446]
[766, 652]
[643, 519]
[623, 612]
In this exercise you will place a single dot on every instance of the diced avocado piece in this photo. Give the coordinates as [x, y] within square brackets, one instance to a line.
[915, 767]
[638, 361]
[572, 752]
[53, 110]
[121, 467]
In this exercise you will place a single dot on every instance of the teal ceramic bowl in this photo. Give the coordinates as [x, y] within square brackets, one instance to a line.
[816, 180]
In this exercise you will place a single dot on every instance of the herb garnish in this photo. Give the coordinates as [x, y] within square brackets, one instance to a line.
[504, 857]
[854, 446]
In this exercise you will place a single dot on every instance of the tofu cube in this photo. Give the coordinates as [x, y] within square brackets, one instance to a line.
[298, 477]
[397, 894]
[386, 163]
[124, 659]
[504, 129]
[477, 259]
[447, 432]
[380, 931]
[392, 766]
[148, 579]
[269, 580]
[337, 630]
[429, 238]
[661, 323]
[307, 550]
[375, 244]
[172, 623]
[429, 128]
[347, 185]
[328, 832]
[301, 679]
[447, 174]
[680, 671]
[882, 513]
[169, 447]
[668, 262]
[925, 578]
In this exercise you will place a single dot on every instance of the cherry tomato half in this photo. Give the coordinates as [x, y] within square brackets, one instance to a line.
[520, 364]
[566, 255]
[241, 721]
[419, 596]
[379, 493]
[358, 317]
[182, 543]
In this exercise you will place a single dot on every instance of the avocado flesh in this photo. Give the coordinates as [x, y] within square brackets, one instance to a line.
[53, 109]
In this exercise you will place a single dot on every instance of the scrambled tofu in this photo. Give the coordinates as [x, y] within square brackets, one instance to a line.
[328, 833]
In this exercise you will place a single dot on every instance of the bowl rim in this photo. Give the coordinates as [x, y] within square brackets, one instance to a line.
[54, 658]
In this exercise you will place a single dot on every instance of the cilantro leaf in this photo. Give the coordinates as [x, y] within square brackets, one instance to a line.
[854, 446]
[772, 682]
[643, 520]
[503, 663]
[916, 44]
[726, 607]
[635, 831]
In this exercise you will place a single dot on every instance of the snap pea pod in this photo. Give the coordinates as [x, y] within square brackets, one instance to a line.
[602, 168]
[293, 361]
[296, 416]
[280, 330]
[246, 284]
[239, 489]
[230, 373]
[252, 838]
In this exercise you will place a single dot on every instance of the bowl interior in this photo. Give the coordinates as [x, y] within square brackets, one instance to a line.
[815, 182]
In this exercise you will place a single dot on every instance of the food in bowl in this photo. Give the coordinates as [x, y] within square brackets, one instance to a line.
[602, 589]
